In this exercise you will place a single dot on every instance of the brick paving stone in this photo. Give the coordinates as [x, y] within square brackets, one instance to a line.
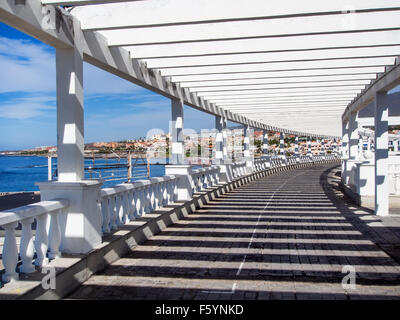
[285, 236]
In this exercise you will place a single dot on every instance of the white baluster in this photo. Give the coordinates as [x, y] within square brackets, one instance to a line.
[131, 206]
[148, 207]
[106, 214]
[145, 203]
[135, 212]
[210, 182]
[156, 196]
[41, 240]
[54, 235]
[161, 194]
[175, 189]
[113, 212]
[10, 253]
[27, 250]
[142, 201]
[214, 177]
[125, 205]
[152, 194]
[165, 192]
[206, 179]
[139, 202]
[193, 183]
[120, 209]
[171, 196]
[198, 183]
[168, 191]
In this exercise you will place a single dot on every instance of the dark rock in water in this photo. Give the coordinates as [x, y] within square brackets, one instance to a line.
[17, 199]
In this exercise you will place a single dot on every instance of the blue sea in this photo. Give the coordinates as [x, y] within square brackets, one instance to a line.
[20, 173]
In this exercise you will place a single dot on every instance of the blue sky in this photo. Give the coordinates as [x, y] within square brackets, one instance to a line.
[115, 109]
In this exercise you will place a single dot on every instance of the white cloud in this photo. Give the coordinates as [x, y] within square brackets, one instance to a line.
[157, 104]
[27, 70]
[25, 67]
[29, 67]
[24, 110]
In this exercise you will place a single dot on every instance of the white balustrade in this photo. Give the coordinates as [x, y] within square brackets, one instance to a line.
[128, 201]
[205, 178]
[394, 175]
[46, 239]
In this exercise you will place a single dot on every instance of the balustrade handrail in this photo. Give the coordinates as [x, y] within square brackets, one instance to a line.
[31, 211]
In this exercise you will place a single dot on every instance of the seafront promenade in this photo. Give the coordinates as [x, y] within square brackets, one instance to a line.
[315, 218]
[283, 233]
[285, 236]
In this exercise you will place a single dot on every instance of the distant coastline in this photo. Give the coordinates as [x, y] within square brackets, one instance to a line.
[87, 156]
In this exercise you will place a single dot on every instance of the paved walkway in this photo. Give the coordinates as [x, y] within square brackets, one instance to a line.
[286, 236]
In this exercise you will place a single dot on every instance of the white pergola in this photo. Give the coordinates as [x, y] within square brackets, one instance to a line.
[288, 66]
[293, 65]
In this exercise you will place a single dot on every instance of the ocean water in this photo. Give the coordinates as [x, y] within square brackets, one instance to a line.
[20, 173]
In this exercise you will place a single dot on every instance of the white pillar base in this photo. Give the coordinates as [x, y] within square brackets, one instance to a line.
[80, 224]
[226, 174]
[267, 161]
[184, 185]
[249, 167]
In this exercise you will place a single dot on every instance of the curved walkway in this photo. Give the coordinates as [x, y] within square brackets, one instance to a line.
[286, 236]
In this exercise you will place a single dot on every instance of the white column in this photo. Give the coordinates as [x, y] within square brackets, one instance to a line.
[323, 147]
[70, 127]
[296, 147]
[220, 141]
[396, 144]
[177, 154]
[282, 145]
[381, 154]
[129, 167]
[222, 150]
[334, 147]
[369, 144]
[345, 151]
[265, 151]
[360, 146]
[49, 169]
[177, 167]
[248, 154]
[225, 133]
[265, 144]
[345, 140]
[319, 144]
[353, 136]
[309, 151]
[80, 225]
